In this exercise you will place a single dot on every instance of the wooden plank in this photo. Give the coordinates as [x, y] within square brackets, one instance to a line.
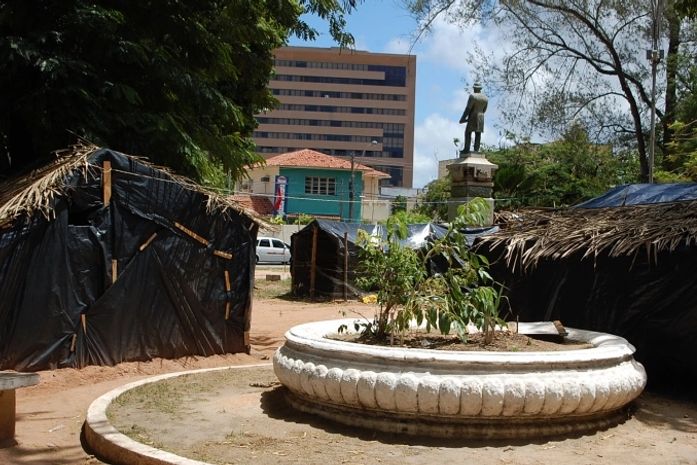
[147, 243]
[192, 234]
[222, 254]
[106, 183]
[345, 266]
[114, 270]
[313, 261]
[228, 287]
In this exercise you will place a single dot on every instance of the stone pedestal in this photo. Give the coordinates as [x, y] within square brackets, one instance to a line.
[472, 176]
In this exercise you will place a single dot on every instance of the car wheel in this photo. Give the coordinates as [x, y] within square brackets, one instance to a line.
[257, 258]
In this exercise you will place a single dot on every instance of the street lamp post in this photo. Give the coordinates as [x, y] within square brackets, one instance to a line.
[352, 180]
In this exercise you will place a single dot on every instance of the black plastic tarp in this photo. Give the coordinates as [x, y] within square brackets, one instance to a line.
[335, 264]
[650, 301]
[639, 194]
[62, 306]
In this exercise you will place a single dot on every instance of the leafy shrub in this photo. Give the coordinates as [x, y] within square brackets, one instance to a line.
[463, 294]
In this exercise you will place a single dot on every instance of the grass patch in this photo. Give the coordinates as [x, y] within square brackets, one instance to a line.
[264, 289]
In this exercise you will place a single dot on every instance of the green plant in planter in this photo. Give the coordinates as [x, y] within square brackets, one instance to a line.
[463, 294]
[466, 293]
[395, 272]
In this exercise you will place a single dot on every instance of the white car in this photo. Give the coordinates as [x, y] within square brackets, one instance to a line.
[272, 250]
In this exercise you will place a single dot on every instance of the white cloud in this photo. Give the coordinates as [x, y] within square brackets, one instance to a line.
[398, 45]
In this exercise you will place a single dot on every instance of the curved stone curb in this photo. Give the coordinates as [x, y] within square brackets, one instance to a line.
[450, 393]
[107, 442]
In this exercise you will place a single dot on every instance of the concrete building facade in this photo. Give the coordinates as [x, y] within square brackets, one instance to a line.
[343, 103]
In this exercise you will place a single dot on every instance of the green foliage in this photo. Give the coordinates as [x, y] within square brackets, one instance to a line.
[179, 82]
[434, 202]
[563, 172]
[278, 219]
[304, 219]
[683, 147]
[392, 269]
[411, 217]
[399, 204]
[460, 296]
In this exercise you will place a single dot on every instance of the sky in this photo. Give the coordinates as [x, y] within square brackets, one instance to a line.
[443, 77]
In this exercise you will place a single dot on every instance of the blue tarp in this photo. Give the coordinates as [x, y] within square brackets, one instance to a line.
[640, 194]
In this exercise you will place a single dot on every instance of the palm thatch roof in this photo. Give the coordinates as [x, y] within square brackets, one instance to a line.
[35, 192]
[590, 233]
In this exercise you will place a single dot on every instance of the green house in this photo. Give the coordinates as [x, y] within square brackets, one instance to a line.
[312, 183]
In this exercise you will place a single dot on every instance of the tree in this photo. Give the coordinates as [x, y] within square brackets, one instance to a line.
[179, 82]
[683, 156]
[399, 204]
[563, 172]
[571, 60]
[434, 201]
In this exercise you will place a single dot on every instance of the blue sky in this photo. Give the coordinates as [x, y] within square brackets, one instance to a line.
[443, 78]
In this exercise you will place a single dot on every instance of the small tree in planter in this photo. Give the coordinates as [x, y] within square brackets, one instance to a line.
[461, 295]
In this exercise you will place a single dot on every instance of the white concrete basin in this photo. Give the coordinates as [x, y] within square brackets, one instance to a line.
[459, 394]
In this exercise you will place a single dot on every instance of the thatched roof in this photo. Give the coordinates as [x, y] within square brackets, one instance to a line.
[35, 192]
[590, 233]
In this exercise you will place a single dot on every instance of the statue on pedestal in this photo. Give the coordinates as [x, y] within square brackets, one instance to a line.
[474, 117]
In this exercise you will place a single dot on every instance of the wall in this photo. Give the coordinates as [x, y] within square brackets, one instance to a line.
[332, 206]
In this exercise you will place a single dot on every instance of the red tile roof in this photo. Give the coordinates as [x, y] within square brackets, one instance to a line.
[260, 204]
[307, 158]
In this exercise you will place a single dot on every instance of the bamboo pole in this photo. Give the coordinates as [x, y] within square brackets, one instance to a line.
[106, 183]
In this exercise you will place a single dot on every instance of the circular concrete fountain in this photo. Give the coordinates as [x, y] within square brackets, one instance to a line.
[459, 394]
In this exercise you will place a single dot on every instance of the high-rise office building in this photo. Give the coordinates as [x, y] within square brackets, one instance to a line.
[343, 103]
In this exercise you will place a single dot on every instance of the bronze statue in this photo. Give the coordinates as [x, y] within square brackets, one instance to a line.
[474, 117]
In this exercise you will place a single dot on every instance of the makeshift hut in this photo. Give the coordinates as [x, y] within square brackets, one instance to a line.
[105, 258]
[325, 255]
[630, 270]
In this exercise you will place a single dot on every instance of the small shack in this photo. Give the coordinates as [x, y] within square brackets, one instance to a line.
[105, 258]
[627, 270]
[325, 255]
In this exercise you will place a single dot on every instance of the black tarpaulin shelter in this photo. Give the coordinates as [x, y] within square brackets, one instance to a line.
[630, 271]
[325, 255]
[105, 258]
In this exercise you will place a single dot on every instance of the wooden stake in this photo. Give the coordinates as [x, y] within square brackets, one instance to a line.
[192, 234]
[83, 319]
[147, 243]
[222, 254]
[73, 343]
[228, 287]
[114, 270]
[227, 310]
[313, 261]
[106, 183]
[345, 266]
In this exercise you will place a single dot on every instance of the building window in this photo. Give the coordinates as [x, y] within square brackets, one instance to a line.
[320, 186]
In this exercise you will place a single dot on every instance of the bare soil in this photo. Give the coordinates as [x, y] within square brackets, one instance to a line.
[502, 342]
[254, 423]
[241, 417]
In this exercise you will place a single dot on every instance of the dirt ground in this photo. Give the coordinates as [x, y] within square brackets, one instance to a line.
[241, 417]
[50, 416]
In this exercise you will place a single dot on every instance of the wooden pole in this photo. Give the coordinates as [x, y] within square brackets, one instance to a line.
[313, 261]
[345, 266]
[228, 288]
[106, 183]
